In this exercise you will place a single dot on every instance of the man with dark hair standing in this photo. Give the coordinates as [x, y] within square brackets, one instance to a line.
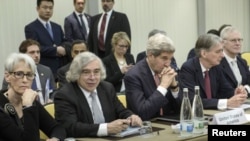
[103, 27]
[76, 25]
[49, 34]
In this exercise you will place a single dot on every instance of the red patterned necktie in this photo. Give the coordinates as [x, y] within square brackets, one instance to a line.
[157, 82]
[207, 85]
[101, 33]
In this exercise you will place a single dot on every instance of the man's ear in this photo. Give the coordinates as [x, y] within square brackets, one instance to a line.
[203, 53]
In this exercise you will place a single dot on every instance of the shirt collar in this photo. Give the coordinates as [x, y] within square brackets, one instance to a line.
[229, 59]
[43, 22]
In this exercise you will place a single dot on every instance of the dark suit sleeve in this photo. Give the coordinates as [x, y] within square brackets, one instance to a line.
[34, 117]
[68, 30]
[125, 26]
[189, 78]
[46, 49]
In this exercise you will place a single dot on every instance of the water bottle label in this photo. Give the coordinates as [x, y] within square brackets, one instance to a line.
[187, 127]
[198, 124]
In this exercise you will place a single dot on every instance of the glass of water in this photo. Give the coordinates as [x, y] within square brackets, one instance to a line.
[146, 129]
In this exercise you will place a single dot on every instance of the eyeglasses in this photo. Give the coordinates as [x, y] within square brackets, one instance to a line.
[235, 40]
[88, 73]
[123, 46]
[20, 75]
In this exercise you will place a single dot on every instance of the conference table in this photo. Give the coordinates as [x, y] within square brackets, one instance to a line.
[162, 132]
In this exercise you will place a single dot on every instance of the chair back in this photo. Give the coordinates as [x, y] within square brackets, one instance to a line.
[50, 108]
[122, 98]
[246, 56]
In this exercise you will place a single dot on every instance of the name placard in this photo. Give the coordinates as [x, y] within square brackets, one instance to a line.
[231, 117]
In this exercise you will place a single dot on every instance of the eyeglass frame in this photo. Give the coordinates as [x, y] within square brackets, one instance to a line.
[123, 46]
[88, 73]
[240, 40]
[21, 76]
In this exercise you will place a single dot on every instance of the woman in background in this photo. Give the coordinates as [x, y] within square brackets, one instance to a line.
[119, 61]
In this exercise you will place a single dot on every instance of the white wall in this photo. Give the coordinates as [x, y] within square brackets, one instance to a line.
[234, 12]
[179, 19]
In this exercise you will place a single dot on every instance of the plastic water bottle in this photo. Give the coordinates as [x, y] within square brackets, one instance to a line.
[186, 115]
[197, 112]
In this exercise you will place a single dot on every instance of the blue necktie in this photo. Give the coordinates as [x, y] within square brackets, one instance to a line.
[49, 30]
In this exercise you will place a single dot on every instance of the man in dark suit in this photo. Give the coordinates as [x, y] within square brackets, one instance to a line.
[73, 27]
[240, 74]
[78, 46]
[218, 94]
[115, 22]
[44, 80]
[87, 105]
[49, 34]
[151, 87]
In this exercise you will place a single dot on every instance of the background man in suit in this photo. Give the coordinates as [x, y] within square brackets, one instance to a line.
[73, 27]
[216, 92]
[49, 34]
[151, 88]
[234, 67]
[143, 55]
[115, 22]
[88, 106]
[44, 80]
[78, 46]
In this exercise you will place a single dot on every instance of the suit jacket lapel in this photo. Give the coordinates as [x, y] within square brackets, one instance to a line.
[228, 71]
[44, 30]
[79, 24]
[199, 74]
[103, 100]
[110, 24]
[83, 102]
